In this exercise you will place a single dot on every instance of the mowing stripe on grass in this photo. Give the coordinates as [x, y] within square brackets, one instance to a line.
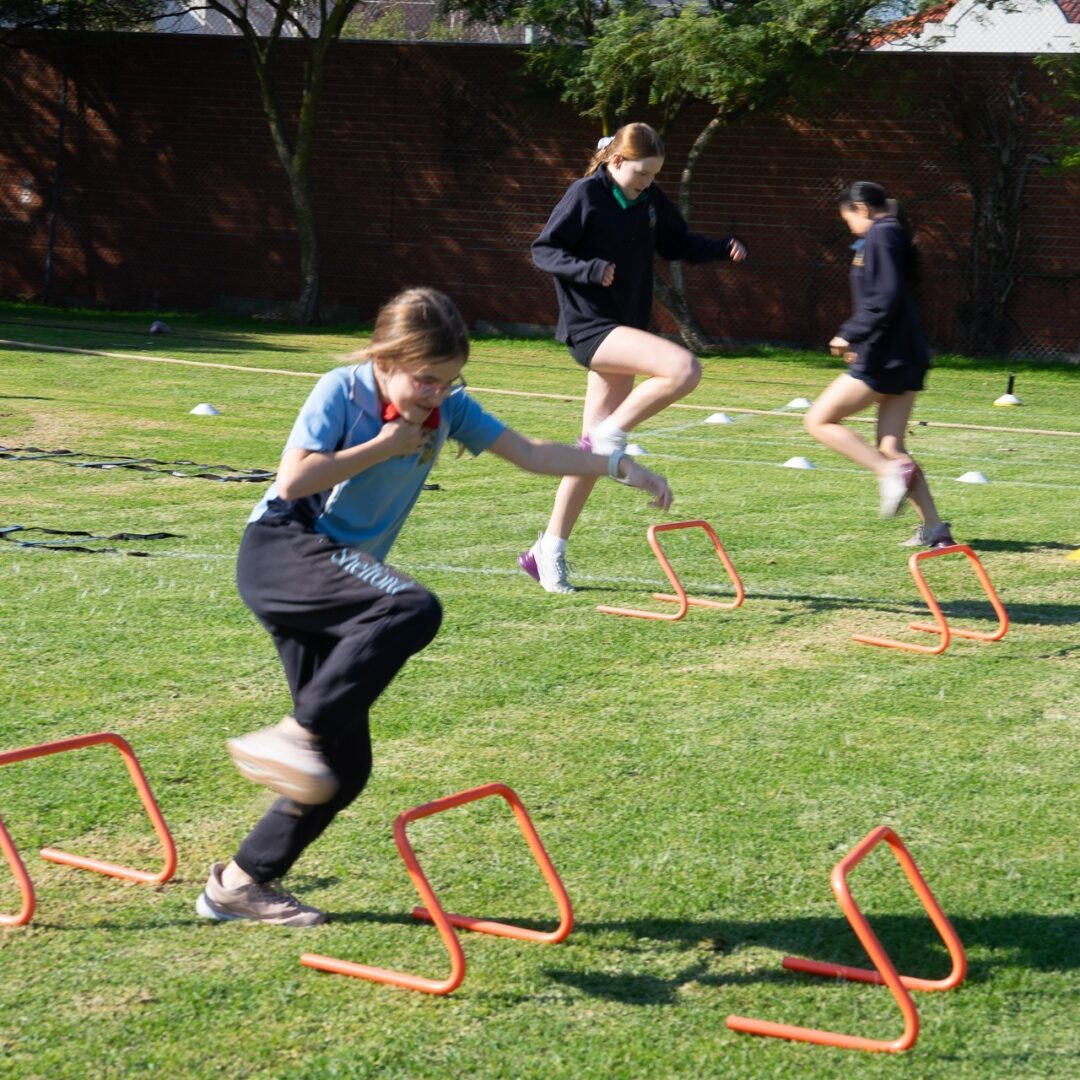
[509, 393]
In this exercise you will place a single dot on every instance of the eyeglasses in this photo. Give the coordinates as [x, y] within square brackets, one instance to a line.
[428, 387]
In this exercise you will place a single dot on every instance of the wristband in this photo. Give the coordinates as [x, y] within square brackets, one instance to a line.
[613, 460]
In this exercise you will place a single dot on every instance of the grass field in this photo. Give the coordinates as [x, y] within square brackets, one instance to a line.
[694, 783]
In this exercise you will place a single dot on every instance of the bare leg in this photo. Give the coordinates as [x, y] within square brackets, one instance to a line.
[842, 398]
[603, 394]
[894, 412]
[672, 373]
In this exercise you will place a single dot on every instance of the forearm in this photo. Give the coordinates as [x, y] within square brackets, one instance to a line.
[307, 472]
[549, 458]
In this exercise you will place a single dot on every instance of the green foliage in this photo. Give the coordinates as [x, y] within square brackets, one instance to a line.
[694, 783]
[1064, 72]
[81, 14]
[391, 26]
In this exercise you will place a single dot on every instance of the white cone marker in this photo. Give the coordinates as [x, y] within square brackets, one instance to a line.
[799, 403]
[973, 478]
[1008, 399]
[205, 409]
[719, 418]
[798, 463]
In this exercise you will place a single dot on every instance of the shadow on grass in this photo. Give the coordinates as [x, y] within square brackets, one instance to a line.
[1028, 941]
[1019, 545]
[959, 611]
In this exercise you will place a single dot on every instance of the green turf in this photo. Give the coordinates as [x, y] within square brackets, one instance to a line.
[694, 782]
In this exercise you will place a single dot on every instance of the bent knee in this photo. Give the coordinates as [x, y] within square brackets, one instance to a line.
[811, 422]
[685, 372]
[423, 611]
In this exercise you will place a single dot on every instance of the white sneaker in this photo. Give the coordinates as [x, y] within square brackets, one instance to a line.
[550, 570]
[895, 485]
[285, 758]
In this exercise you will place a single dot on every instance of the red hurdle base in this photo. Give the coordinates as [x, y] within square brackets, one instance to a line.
[432, 910]
[884, 972]
[99, 866]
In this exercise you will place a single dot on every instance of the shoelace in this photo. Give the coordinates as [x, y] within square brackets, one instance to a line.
[563, 568]
[272, 890]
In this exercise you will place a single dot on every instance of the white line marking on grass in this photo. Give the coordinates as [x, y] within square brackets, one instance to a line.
[841, 469]
[648, 583]
[161, 359]
[513, 393]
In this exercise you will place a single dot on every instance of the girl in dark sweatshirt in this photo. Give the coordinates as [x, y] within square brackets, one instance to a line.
[887, 356]
[599, 244]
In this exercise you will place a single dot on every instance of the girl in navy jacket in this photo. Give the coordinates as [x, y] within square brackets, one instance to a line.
[887, 358]
[599, 244]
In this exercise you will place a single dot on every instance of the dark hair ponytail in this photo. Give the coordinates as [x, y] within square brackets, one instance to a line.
[874, 196]
[863, 191]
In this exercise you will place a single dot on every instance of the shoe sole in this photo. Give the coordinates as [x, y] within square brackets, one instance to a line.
[206, 907]
[279, 776]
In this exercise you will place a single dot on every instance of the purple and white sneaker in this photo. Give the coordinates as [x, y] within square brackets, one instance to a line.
[550, 570]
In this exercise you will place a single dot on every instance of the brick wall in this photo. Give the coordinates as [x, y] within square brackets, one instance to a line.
[439, 164]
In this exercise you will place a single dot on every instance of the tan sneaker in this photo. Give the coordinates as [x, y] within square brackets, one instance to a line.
[267, 903]
[938, 536]
[286, 759]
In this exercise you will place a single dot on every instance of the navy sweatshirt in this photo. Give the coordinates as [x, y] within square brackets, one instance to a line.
[589, 229]
[884, 326]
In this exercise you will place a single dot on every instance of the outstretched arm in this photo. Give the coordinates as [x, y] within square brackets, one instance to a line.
[556, 459]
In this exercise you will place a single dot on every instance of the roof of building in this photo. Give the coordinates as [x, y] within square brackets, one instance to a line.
[970, 26]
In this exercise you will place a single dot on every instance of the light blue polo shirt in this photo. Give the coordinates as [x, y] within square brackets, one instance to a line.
[368, 510]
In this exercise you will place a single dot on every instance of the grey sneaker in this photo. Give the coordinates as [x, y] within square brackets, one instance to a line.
[267, 903]
[550, 570]
[286, 759]
[895, 485]
[938, 536]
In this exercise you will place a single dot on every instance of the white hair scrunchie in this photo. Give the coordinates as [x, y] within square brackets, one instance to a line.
[601, 143]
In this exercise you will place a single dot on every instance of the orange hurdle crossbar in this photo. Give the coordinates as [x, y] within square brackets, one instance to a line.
[432, 910]
[940, 626]
[680, 597]
[885, 972]
[82, 862]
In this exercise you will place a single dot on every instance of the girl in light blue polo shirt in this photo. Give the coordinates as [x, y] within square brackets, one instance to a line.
[312, 569]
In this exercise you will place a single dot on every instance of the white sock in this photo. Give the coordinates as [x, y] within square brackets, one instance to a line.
[607, 430]
[232, 877]
[552, 545]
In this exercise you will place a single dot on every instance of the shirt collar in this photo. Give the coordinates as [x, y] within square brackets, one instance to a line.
[617, 192]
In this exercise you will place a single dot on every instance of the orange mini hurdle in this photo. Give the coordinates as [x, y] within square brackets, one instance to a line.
[432, 910]
[684, 601]
[11, 853]
[885, 973]
[940, 626]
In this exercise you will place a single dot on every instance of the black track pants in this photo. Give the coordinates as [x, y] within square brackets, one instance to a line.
[343, 625]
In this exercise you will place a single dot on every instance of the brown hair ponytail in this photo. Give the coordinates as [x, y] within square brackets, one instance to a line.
[631, 141]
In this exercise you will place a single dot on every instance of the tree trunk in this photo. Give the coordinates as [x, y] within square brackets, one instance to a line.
[673, 294]
[307, 234]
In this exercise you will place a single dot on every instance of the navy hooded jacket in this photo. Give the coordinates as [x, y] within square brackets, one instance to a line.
[589, 229]
[884, 326]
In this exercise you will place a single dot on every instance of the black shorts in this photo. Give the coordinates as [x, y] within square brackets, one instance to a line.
[902, 380]
[584, 349]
